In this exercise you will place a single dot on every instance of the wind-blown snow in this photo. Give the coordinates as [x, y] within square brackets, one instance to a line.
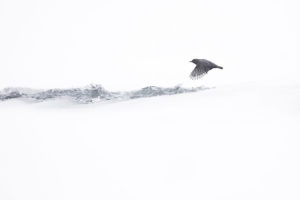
[232, 142]
[92, 93]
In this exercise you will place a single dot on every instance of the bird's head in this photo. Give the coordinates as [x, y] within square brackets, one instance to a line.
[195, 61]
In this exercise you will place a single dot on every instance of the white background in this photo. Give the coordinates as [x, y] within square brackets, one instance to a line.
[130, 44]
[238, 140]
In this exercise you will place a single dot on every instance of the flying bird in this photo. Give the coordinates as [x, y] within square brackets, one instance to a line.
[202, 67]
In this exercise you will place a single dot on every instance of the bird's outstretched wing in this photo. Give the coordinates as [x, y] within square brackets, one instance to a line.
[198, 72]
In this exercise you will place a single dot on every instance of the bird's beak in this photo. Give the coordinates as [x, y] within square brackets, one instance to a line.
[191, 61]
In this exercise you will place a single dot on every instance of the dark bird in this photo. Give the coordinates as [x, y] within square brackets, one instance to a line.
[202, 67]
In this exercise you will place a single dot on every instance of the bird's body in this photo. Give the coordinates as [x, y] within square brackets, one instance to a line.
[202, 67]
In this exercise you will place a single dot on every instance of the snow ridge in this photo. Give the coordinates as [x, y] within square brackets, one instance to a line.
[92, 93]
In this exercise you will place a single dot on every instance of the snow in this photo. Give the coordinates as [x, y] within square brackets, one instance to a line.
[91, 93]
[237, 139]
[227, 142]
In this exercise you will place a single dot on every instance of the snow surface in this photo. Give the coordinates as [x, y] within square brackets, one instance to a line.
[92, 93]
[237, 140]
[229, 142]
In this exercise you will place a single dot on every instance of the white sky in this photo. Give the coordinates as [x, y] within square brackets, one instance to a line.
[134, 43]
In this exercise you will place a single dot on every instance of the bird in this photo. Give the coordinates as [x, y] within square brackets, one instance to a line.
[202, 67]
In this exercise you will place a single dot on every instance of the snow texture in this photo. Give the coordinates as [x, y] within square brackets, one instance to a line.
[230, 143]
[92, 93]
